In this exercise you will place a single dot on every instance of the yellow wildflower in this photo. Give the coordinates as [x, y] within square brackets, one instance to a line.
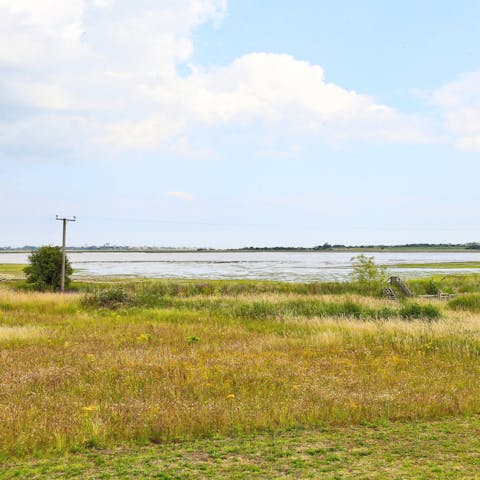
[90, 408]
[144, 337]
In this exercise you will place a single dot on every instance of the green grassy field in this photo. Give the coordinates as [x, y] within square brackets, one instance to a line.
[241, 379]
[6, 268]
[444, 449]
[440, 265]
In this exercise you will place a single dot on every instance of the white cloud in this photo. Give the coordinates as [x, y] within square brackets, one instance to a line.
[184, 148]
[281, 91]
[41, 33]
[48, 96]
[143, 135]
[53, 56]
[188, 197]
[113, 63]
[459, 103]
[103, 3]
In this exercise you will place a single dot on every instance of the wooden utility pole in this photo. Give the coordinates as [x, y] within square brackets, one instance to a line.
[64, 236]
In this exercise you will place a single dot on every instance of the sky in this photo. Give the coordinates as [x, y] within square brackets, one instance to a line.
[232, 123]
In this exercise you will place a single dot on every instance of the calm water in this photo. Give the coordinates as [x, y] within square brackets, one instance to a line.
[287, 266]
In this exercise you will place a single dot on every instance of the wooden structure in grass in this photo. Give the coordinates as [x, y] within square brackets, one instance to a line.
[396, 283]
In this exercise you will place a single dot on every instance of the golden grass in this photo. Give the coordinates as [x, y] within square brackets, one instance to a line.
[151, 374]
[37, 298]
[8, 333]
[38, 303]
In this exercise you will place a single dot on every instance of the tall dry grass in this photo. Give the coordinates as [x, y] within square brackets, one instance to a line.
[12, 333]
[195, 367]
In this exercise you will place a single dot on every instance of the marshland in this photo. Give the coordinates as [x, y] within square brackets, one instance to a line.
[188, 378]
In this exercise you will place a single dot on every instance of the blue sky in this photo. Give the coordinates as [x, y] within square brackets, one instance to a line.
[217, 123]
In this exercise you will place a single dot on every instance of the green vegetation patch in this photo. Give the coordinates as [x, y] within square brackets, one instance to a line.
[247, 308]
[124, 365]
[112, 297]
[441, 449]
[446, 284]
[410, 311]
[444, 265]
[44, 271]
[470, 303]
[189, 288]
[12, 270]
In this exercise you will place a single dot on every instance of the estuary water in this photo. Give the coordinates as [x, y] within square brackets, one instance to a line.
[285, 266]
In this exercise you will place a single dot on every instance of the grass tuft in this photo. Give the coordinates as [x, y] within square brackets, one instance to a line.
[469, 303]
[112, 297]
[411, 311]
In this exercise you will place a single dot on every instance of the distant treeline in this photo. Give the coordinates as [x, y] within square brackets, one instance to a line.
[324, 247]
[102, 248]
[468, 246]
[327, 246]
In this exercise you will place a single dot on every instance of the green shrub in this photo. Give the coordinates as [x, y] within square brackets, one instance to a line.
[432, 288]
[470, 303]
[369, 276]
[411, 311]
[45, 269]
[352, 309]
[447, 284]
[114, 297]
[365, 270]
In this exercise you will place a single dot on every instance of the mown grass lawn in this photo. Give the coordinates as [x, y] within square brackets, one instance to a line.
[445, 449]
